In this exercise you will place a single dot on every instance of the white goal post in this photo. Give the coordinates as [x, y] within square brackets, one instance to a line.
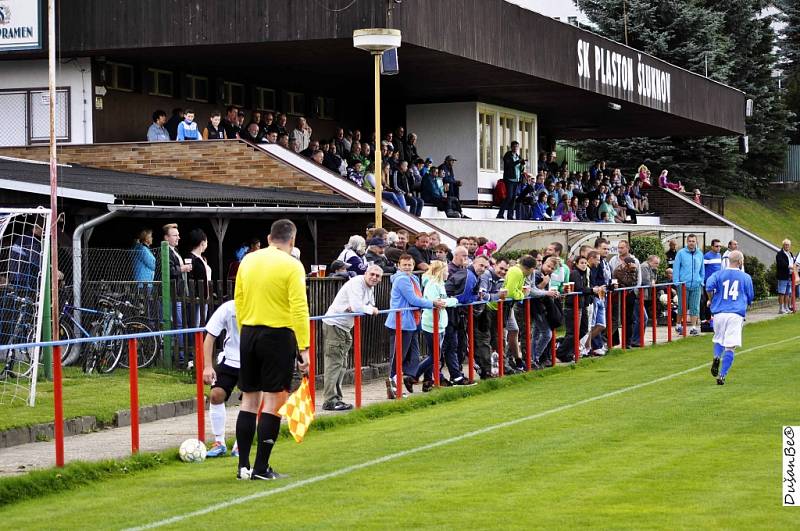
[24, 263]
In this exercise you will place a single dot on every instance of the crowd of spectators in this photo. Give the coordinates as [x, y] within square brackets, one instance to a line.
[550, 192]
[425, 273]
[408, 180]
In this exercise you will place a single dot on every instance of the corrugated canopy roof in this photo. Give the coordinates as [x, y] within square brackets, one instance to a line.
[135, 188]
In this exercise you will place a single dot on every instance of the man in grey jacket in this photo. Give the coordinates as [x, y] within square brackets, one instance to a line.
[357, 295]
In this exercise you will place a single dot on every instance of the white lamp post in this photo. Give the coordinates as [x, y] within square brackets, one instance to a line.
[376, 41]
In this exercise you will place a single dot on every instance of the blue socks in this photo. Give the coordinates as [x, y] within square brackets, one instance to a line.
[718, 350]
[727, 361]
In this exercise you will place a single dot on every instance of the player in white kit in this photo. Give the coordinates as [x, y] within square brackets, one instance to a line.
[730, 292]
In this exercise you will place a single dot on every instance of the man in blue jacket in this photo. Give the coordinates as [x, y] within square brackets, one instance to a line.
[689, 269]
[406, 293]
[712, 262]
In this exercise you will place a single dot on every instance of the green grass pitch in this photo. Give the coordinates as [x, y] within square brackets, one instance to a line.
[679, 452]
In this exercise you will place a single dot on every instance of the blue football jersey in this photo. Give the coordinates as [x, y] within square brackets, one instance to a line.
[733, 291]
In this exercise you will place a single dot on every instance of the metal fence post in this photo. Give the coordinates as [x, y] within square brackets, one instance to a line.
[501, 364]
[471, 343]
[654, 296]
[166, 304]
[133, 374]
[58, 405]
[528, 335]
[199, 359]
[357, 358]
[436, 347]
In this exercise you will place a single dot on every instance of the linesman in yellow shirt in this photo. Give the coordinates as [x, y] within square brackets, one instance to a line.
[272, 312]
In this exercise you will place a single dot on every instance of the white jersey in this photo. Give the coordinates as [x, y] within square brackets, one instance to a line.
[224, 319]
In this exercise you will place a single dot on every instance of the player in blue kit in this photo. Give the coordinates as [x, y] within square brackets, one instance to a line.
[730, 291]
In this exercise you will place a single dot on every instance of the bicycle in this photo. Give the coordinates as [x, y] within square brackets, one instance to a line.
[147, 347]
[19, 361]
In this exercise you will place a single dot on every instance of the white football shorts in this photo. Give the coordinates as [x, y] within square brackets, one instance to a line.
[728, 329]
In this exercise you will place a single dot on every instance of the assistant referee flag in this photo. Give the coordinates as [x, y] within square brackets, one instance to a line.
[299, 411]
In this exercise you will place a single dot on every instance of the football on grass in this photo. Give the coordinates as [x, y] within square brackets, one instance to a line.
[192, 451]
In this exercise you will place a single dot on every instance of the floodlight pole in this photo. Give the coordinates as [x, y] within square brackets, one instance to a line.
[378, 170]
[376, 41]
[51, 86]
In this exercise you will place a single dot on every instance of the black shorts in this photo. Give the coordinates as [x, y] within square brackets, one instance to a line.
[227, 379]
[268, 359]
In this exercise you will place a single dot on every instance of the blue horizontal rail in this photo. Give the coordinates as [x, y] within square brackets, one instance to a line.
[163, 333]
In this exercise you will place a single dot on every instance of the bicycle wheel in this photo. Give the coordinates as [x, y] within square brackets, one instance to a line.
[111, 350]
[64, 333]
[147, 347]
[91, 352]
[18, 364]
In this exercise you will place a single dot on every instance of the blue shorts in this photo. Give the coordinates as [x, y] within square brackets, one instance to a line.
[785, 287]
[599, 312]
[692, 301]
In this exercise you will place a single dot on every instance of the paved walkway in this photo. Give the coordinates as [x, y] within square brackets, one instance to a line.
[169, 433]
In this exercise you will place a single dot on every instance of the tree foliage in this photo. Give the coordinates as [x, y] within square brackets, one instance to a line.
[734, 42]
[789, 45]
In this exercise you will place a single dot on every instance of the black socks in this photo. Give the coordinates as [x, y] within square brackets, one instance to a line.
[245, 430]
[269, 427]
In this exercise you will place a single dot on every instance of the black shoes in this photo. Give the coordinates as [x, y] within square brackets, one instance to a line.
[715, 367]
[409, 382]
[269, 475]
[427, 385]
[461, 380]
[337, 406]
[720, 380]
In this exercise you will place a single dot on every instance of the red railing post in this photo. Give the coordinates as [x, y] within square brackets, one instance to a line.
[436, 348]
[58, 404]
[133, 373]
[654, 296]
[669, 313]
[528, 334]
[198, 374]
[500, 339]
[471, 344]
[610, 319]
[623, 340]
[641, 317]
[357, 358]
[398, 355]
[312, 362]
[553, 347]
[683, 310]
[794, 289]
[576, 327]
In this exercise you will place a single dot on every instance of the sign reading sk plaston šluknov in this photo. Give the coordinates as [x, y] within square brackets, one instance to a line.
[627, 77]
[20, 25]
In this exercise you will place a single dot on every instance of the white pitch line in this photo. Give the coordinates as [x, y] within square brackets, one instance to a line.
[418, 449]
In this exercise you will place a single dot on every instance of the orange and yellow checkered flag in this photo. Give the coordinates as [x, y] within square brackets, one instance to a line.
[299, 411]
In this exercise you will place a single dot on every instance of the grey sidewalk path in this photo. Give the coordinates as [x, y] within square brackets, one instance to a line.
[169, 433]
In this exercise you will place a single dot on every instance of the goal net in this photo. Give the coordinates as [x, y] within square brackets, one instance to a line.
[24, 251]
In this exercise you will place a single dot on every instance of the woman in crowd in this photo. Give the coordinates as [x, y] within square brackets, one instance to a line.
[579, 277]
[201, 272]
[663, 182]
[353, 254]
[389, 192]
[433, 289]
[144, 261]
[540, 208]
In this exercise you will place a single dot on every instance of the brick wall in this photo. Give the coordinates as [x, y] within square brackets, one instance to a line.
[220, 162]
[674, 211]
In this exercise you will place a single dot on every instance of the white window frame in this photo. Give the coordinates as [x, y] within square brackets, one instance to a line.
[486, 153]
[227, 88]
[525, 137]
[113, 76]
[156, 88]
[191, 95]
[506, 131]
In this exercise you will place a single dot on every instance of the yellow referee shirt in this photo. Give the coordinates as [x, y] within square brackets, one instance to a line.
[271, 291]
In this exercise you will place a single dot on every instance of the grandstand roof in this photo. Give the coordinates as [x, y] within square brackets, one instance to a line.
[113, 187]
[489, 51]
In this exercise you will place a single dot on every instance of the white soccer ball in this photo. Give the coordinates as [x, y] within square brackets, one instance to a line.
[192, 451]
